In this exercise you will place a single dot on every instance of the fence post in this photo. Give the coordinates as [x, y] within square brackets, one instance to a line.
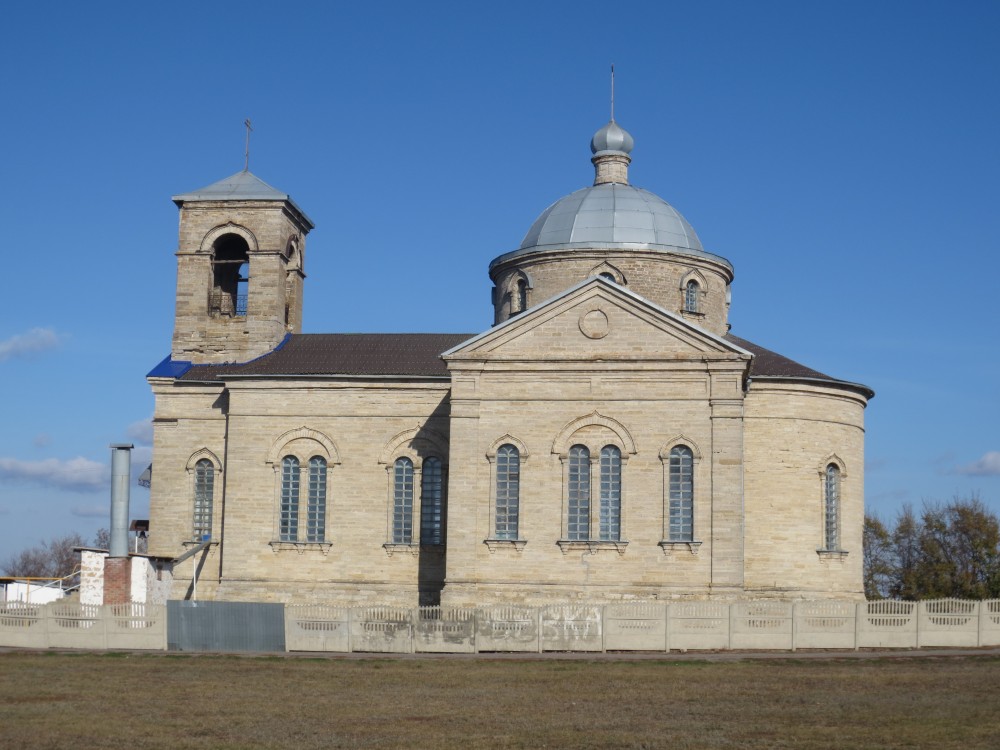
[350, 627]
[414, 619]
[979, 622]
[795, 623]
[104, 614]
[538, 619]
[45, 610]
[858, 613]
[918, 613]
[732, 622]
[666, 628]
[604, 625]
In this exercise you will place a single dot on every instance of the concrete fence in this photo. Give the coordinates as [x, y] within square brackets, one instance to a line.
[681, 626]
[70, 624]
[655, 627]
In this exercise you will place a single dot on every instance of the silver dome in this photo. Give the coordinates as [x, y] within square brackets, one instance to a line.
[612, 137]
[611, 215]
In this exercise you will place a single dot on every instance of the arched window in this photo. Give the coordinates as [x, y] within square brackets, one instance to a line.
[522, 295]
[611, 493]
[204, 492]
[508, 490]
[831, 497]
[691, 297]
[681, 495]
[316, 508]
[609, 276]
[578, 506]
[402, 501]
[432, 502]
[288, 515]
[230, 275]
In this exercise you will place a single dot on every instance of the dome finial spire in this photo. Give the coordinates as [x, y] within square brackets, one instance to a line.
[611, 146]
[612, 92]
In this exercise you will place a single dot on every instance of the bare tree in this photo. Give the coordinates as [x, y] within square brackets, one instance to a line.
[950, 549]
[877, 559]
[52, 559]
[102, 539]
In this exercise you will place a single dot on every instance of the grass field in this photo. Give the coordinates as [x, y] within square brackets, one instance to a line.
[59, 700]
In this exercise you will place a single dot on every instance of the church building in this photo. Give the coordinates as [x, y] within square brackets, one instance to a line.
[607, 439]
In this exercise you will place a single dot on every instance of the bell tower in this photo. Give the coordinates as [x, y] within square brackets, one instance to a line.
[240, 270]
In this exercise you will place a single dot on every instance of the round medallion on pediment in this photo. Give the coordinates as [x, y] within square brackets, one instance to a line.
[594, 324]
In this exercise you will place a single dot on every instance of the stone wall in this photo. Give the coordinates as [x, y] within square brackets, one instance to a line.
[793, 431]
[276, 275]
[658, 276]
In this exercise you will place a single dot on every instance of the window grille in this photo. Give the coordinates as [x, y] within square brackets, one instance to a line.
[316, 508]
[432, 502]
[288, 522]
[578, 518]
[691, 297]
[831, 487]
[611, 493]
[204, 491]
[402, 504]
[681, 495]
[508, 477]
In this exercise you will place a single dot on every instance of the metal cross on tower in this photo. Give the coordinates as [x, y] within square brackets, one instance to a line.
[246, 153]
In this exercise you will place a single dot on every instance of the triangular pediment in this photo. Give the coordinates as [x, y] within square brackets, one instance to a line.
[593, 321]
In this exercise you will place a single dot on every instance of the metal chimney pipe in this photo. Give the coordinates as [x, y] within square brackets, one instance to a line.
[121, 456]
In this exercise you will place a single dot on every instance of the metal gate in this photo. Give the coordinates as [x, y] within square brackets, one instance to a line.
[225, 626]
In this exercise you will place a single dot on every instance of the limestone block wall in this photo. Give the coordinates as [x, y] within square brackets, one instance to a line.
[540, 410]
[360, 429]
[657, 276]
[792, 432]
[270, 229]
[189, 423]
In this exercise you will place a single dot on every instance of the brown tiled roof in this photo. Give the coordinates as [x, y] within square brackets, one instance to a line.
[419, 355]
[768, 364]
[349, 354]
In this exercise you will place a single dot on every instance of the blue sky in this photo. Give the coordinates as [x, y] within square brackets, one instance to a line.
[844, 157]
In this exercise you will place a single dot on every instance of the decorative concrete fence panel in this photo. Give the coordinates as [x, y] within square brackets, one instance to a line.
[508, 628]
[449, 630]
[572, 627]
[635, 627]
[697, 625]
[761, 625]
[989, 622]
[75, 625]
[382, 630]
[22, 625]
[317, 627]
[136, 626]
[887, 624]
[948, 622]
[825, 624]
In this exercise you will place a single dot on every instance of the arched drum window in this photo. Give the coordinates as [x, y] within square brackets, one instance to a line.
[204, 492]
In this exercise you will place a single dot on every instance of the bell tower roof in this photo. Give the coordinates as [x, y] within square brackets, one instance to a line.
[242, 186]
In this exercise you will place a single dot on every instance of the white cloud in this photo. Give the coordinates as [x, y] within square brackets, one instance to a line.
[91, 511]
[25, 344]
[141, 432]
[987, 466]
[79, 474]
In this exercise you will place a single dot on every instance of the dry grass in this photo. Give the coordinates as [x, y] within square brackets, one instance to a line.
[51, 700]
